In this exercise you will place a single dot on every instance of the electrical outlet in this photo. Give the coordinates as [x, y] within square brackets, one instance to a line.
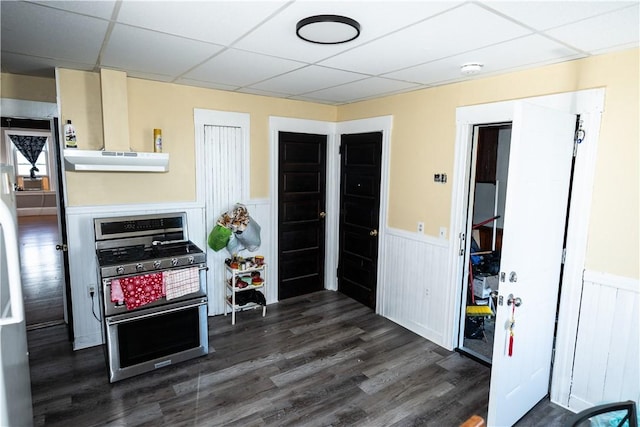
[420, 227]
[92, 290]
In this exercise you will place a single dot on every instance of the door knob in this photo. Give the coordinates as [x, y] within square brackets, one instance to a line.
[62, 248]
[373, 233]
[514, 300]
[323, 215]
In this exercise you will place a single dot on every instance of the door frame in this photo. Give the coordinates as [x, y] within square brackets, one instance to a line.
[333, 131]
[48, 111]
[589, 105]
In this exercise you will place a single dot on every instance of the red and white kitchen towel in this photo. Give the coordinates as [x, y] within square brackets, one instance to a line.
[136, 291]
[181, 282]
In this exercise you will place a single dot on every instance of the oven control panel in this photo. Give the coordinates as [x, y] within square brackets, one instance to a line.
[113, 271]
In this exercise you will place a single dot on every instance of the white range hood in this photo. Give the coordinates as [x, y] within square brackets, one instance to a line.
[116, 155]
[114, 161]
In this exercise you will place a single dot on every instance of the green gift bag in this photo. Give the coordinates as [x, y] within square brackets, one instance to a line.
[219, 237]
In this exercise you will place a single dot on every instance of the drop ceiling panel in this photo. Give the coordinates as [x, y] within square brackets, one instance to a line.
[367, 88]
[525, 51]
[140, 50]
[240, 68]
[209, 85]
[26, 29]
[542, 15]
[277, 36]
[39, 67]
[620, 27]
[99, 9]
[215, 22]
[465, 28]
[307, 79]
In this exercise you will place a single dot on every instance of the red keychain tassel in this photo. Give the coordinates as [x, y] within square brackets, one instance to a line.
[510, 344]
[513, 322]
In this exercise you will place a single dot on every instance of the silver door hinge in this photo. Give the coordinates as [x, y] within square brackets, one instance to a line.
[461, 236]
[564, 255]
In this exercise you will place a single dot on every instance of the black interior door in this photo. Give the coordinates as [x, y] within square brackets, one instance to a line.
[361, 156]
[301, 211]
[62, 224]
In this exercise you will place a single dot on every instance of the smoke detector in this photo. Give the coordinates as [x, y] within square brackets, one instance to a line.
[471, 68]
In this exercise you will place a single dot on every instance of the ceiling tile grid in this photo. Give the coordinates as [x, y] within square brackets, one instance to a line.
[251, 46]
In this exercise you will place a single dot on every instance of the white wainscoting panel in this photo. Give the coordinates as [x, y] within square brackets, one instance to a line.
[607, 359]
[415, 283]
[259, 210]
[82, 259]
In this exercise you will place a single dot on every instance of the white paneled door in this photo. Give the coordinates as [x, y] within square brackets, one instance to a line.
[534, 226]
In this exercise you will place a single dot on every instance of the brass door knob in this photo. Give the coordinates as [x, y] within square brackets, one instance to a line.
[373, 233]
[323, 215]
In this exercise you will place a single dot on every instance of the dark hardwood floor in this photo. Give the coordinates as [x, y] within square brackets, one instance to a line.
[316, 360]
[41, 270]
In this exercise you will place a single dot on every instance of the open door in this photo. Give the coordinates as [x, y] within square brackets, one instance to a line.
[62, 226]
[534, 224]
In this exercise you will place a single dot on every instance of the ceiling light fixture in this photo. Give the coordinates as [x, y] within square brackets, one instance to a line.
[471, 68]
[328, 29]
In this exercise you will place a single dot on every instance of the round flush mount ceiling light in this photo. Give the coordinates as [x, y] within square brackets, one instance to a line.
[471, 68]
[328, 29]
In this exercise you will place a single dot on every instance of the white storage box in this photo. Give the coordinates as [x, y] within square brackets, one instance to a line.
[483, 285]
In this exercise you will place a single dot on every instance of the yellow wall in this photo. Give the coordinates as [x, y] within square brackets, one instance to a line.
[170, 108]
[422, 143]
[14, 86]
[423, 140]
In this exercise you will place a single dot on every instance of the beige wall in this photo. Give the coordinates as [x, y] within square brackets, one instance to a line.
[14, 86]
[422, 143]
[170, 108]
[423, 140]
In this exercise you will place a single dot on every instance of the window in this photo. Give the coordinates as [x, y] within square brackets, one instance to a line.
[23, 167]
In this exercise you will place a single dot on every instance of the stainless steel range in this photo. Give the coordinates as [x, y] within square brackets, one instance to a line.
[153, 292]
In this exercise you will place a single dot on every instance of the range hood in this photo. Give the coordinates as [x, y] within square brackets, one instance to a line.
[115, 161]
[116, 155]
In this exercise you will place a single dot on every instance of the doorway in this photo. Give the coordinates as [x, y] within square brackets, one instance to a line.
[588, 104]
[41, 225]
[301, 213]
[485, 222]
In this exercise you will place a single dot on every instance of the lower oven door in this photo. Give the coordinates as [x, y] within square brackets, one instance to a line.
[144, 340]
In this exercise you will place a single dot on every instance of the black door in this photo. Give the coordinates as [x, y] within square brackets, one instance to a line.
[62, 224]
[361, 156]
[301, 211]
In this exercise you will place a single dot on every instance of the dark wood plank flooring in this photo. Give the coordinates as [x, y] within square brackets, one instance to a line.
[41, 270]
[315, 360]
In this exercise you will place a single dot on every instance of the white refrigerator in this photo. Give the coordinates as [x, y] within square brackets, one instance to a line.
[15, 382]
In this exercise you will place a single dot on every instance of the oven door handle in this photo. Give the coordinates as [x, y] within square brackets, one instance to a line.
[155, 313]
